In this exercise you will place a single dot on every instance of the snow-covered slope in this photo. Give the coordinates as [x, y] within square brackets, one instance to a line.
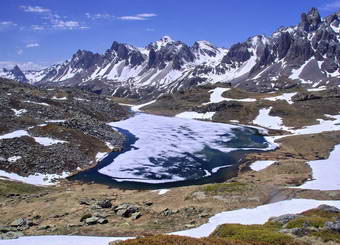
[307, 54]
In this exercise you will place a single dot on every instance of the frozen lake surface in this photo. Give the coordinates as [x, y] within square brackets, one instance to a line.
[162, 150]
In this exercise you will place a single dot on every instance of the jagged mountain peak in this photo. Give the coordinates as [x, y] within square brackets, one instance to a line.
[163, 42]
[310, 21]
[307, 54]
[15, 73]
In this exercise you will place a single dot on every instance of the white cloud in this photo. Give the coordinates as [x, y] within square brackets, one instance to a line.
[37, 28]
[143, 16]
[147, 15]
[34, 9]
[332, 6]
[54, 21]
[20, 51]
[32, 45]
[6, 25]
[99, 16]
[66, 24]
[23, 65]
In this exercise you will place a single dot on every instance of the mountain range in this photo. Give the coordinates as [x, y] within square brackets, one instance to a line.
[307, 55]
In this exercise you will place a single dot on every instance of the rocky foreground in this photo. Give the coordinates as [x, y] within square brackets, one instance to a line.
[54, 131]
[79, 119]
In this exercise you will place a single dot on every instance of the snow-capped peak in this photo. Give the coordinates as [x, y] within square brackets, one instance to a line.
[162, 42]
[203, 44]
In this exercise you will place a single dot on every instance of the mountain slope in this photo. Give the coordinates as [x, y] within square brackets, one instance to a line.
[307, 54]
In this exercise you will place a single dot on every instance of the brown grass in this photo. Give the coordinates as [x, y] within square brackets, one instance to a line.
[181, 240]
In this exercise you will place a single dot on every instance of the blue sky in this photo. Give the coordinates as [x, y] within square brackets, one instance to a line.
[43, 32]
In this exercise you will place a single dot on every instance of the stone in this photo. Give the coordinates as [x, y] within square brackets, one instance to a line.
[166, 212]
[284, 219]
[126, 210]
[299, 232]
[332, 226]
[19, 222]
[84, 202]
[148, 203]
[104, 204]
[92, 221]
[136, 215]
[85, 216]
[103, 221]
[44, 227]
[328, 208]
[11, 235]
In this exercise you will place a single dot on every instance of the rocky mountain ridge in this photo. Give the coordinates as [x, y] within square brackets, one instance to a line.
[306, 55]
[56, 130]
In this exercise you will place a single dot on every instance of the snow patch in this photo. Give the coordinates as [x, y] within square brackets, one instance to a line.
[161, 191]
[46, 141]
[37, 103]
[326, 174]
[268, 121]
[14, 158]
[260, 165]
[62, 240]
[258, 215]
[138, 107]
[36, 179]
[196, 115]
[216, 95]
[286, 96]
[59, 98]
[18, 113]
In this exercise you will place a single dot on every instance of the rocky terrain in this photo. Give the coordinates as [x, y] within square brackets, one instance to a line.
[306, 55]
[54, 131]
[316, 226]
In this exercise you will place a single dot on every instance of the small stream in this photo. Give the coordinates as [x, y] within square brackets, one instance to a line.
[165, 152]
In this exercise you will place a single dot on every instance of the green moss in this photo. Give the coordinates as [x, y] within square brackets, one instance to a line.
[321, 213]
[224, 187]
[312, 221]
[252, 233]
[327, 236]
[12, 187]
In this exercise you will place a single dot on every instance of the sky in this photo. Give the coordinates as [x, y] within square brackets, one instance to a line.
[37, 33]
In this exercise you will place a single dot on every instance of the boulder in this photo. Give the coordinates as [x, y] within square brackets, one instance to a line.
[85, 216]
[104, 204]
[167, 212]
[284, 219]
[332, 226]
[11, 235]
[126, 210]
[136, 215]
[92, 220]
[19, 222]
[328, 208]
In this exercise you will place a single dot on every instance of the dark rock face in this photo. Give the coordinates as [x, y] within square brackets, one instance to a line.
[237, 53]
[16, 73]
[178, 53]
[310, 21]
[300, 51]
[85, 59]
[283, 44]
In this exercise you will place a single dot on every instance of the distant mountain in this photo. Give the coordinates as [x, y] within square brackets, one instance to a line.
[15, 74]
[306, 55]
